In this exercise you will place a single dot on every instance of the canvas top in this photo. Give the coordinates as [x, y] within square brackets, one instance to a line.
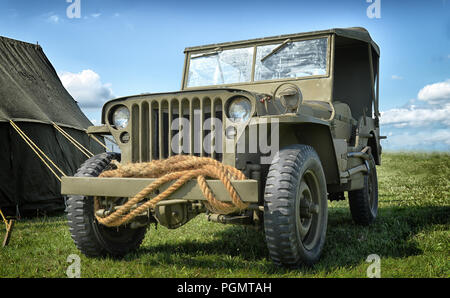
[357, 33]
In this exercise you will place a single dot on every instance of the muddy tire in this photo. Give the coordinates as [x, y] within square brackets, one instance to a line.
[295, 207]
[90, 237]
[364, 202]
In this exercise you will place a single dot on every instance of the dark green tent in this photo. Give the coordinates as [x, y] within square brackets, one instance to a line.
[32, 95]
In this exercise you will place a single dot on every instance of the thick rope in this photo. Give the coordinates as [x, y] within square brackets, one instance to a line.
[4, 218]
[111, 140]
[77, 144]
[37, 151]
[98, 141]
[179, 168]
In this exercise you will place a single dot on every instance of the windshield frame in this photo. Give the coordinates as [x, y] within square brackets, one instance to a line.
[252, 76]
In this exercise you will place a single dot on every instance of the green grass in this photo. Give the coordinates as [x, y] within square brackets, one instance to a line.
[411, 235]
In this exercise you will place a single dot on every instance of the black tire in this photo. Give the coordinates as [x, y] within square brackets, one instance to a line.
[364, 202]
[295, 233]
[90, 237]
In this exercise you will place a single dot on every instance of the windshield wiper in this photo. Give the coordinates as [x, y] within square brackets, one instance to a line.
[215, 52]
[277, 49]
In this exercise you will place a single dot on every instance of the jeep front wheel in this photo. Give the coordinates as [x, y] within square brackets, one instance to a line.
[90, 237]
[295, 206]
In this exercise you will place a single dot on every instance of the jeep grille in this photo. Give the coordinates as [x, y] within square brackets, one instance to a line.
[154, 137]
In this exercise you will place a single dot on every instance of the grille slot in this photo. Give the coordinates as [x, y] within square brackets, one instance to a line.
[165, 127]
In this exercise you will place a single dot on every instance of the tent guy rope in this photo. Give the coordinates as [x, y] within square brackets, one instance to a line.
[77, 144]
[38, 151]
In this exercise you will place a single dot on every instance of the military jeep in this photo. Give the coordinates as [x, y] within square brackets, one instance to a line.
[297, 114]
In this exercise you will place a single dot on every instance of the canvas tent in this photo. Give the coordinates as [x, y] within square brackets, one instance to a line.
[32, 95]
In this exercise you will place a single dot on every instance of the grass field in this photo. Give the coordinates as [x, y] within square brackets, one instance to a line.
[411, 235]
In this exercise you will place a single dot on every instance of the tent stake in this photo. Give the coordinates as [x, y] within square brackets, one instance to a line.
[9, 227]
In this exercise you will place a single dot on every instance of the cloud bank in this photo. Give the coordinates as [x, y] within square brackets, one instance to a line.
[423, 124]
[87, 88]
[437, 93]
[414, 116]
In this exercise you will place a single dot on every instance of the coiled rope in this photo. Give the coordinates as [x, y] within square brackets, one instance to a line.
[179, 168]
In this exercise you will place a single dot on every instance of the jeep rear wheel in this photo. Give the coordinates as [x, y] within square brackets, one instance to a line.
[295, 206]
[90, 237]
[364, 202]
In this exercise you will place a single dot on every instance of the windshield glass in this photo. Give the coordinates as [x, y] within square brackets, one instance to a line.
[294, 60]
[221, 67]
[276, 61]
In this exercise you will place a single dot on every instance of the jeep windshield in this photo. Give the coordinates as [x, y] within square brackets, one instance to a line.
[283, 60]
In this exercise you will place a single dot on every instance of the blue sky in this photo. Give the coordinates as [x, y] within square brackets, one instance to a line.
[118, 48]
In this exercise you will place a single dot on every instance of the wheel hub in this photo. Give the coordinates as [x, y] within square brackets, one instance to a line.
[307, 209]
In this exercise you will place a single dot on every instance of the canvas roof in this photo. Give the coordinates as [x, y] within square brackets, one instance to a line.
[357, 33]
[30, 89]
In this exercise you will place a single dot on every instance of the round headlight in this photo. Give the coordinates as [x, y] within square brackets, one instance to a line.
[239, 109]
[120, 117]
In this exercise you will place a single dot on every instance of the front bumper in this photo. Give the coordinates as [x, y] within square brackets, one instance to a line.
[248, 190]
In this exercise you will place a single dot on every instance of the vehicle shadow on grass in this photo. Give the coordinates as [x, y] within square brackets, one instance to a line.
[391, 235]
[346, 245]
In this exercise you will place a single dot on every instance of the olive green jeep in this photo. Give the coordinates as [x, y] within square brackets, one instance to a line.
[297, 114]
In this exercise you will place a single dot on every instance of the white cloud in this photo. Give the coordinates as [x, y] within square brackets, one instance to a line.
[86, 88]
[96, 15]
[416, 116]
[421, 124]
[53, 19]
[435, 108]
[435, 93]
[396, 77]
[427, 139]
